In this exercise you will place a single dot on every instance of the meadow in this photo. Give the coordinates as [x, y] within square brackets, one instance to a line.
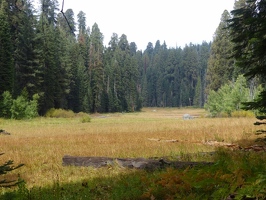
[41, 143]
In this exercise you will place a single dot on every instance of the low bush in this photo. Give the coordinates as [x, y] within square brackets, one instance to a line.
[6, 105]
[86, 119]
[19, 108]
[59, 113]
[81, 114]
[242, 113]
[223, 115]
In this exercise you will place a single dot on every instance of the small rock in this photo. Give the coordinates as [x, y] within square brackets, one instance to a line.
[187, 117]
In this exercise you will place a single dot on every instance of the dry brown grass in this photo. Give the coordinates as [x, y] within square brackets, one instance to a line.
[41, 143]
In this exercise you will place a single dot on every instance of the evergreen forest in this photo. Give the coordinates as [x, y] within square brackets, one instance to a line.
[64, 63]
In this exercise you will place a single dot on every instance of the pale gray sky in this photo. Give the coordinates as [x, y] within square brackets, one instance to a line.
[177, 22]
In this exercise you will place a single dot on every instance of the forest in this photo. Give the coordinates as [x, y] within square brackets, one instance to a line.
[65, 64]
[49, 62]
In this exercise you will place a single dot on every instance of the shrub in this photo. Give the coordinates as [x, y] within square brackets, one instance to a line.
[223, 115]
[81, 114]
[32, 108]
[59, 113]
[86, 119]
[6, 105]
[242, 113]
[19, 108]
[229, 97]
[50, 112]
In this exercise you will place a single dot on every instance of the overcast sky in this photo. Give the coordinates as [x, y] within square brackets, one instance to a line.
[177, 22]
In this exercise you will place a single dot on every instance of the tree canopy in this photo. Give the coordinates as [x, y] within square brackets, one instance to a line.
[248, 30]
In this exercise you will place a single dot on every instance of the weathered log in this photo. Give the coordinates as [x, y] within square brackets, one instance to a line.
[137, 163]
[87, 161]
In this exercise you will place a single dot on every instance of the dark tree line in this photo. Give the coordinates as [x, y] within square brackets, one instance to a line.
[174, 77]
[40, 54]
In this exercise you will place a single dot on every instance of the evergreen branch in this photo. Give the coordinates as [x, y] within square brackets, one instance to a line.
[4, 169]
[261, 117]
[8, 184]
[260, 132]
[259, 123]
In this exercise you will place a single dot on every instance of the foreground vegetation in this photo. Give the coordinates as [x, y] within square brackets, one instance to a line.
[41, 143]
[233, 174]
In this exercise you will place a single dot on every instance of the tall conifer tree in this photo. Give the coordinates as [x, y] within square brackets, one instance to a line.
[96, 66]
[220, 65]
[26, 70]
[6, 52]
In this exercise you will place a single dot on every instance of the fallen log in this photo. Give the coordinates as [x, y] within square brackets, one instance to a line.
[87, 161]
[137, 163]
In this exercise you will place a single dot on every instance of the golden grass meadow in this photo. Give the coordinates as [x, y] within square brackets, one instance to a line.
[41, 143]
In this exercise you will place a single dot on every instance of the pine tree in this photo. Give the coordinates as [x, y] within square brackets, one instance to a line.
[83, 77]
[204, 54]
[49, 58]
[96, 66]
[190, 63]
[129, 75]
[248, 35]
[26, 72]
[67, 23]
[49, 11]
[177, 77]
[220, 65]
[6, 52]
[112, 72]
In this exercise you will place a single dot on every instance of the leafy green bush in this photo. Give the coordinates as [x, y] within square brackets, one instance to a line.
[6, 104]
[229, 97]
[32, 107]
[59, 113]
[84, 117]
[19, 108]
